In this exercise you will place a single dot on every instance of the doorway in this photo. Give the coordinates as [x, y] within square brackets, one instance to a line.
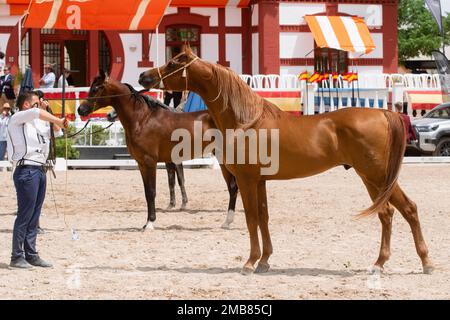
[66, 50]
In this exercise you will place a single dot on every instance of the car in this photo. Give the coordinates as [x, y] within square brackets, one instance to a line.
[433, 132]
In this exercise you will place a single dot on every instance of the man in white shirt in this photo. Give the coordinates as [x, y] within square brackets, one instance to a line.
[28, 147]
[49, 77]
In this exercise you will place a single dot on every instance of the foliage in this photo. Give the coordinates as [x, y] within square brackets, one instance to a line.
[100, 136]
[72, 153]
[418, 32]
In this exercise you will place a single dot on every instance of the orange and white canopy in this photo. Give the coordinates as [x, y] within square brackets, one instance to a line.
[210, 3]
[101, 14]
[341, 32]
[96, 14]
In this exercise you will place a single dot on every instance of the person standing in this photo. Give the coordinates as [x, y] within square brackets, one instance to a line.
[409, 130]
[28, 147]
[64, 77]
[4, 119]
[7, 88]
[49, 77]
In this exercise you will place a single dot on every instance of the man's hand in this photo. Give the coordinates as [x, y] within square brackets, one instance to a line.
[44, 104]
[64, 123]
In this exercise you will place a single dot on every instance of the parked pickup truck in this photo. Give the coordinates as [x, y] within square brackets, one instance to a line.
[433, 132]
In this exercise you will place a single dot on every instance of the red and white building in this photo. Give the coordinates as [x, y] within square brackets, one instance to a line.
[251, 37]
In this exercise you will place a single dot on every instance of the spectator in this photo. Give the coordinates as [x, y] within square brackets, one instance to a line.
[66, 76]
[409, 130]
[7, 88]
[29, 146]
[4, 119]
[2, 62]
[48, 79]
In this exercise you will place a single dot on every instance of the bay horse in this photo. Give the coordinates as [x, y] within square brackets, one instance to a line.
[148, 125]
[370, 141]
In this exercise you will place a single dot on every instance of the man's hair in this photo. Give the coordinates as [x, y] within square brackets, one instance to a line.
[2, 55]
[39, 93]
[25, 97]
[399, 106]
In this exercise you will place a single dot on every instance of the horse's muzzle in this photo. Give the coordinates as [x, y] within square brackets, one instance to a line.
[146, 81]
[84, 110]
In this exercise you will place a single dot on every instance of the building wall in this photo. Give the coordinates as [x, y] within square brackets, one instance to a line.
[271, 37]
[296, 39]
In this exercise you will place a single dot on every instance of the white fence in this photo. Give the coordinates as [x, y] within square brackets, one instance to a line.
[375, 90]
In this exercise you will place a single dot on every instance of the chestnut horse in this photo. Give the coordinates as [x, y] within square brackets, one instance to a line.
[371, 141]
[148, 126]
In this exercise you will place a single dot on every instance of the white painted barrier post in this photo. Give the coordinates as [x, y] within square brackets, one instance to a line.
[61, 164]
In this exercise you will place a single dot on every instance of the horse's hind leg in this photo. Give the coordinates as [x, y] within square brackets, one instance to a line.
[263, 221]
[385, 216]
[233, 191]
[408, 209]
[180, 176]
[170, 167]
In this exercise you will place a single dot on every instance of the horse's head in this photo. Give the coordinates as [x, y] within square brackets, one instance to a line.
[172, 75]
[94, 101]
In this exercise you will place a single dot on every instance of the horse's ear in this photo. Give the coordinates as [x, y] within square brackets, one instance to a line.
[188, 49]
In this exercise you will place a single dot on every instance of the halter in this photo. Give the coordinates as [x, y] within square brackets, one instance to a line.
[184, 75]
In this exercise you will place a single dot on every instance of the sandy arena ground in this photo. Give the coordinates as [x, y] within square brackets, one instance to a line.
[319, 250]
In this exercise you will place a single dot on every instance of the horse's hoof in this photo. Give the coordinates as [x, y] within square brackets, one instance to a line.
[247, 271]
[183, 206]
[170, 207]
[148, 226]
[225, 225]
[262, 268]
[428, 269]
[375, 269]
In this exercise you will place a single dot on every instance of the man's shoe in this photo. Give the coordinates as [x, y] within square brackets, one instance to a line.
[38, 262]
[40, 230]
[20, 263]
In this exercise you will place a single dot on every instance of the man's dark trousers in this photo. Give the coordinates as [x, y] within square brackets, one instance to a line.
[30, 183]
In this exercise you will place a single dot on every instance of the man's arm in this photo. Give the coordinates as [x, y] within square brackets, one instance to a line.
[46, 116]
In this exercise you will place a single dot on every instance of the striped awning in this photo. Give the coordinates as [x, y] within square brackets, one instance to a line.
[96, 14]
[341, 32]
[210, 3]
[19, 7]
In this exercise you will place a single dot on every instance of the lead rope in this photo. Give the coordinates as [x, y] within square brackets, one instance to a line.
[73, 231]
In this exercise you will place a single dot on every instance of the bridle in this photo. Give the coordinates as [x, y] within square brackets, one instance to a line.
[184, 75]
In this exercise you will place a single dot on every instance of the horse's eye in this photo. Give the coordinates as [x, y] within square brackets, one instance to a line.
[170, 64]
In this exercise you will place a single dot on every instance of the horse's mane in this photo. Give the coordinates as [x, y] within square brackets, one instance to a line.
[151, 102]
[248, 107]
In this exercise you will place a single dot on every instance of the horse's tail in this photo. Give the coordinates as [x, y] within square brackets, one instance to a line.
[395, 153]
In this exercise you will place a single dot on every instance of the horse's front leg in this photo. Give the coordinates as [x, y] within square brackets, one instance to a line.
[148, 172]
[249, 194]
[170, 167]
[233, 192]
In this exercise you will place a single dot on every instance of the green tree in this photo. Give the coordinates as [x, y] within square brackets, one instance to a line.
[418, 33]
[72, 153]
